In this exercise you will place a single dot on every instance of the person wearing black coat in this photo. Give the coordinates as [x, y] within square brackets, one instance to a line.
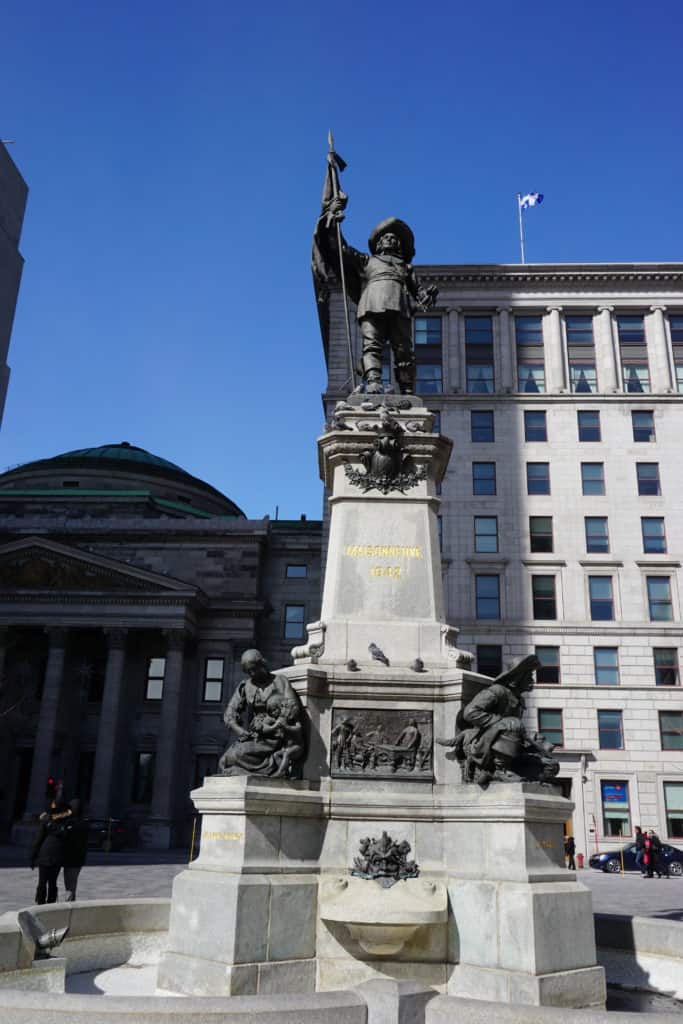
[75, 849]
[48, 849]
[569, 851]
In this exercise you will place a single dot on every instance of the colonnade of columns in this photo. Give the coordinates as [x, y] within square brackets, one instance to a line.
[605, 337]
[110, 721]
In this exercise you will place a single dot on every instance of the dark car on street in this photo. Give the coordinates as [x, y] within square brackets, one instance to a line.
[109, 834]
[612, 861]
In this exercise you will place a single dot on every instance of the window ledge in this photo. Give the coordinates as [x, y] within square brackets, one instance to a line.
[559, 562]
[477, 561]
[658, 563]
[612, 563]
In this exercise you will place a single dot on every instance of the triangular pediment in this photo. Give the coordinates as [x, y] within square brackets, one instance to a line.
[35, 563]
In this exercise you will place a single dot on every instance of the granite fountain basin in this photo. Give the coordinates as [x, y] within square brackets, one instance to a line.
[382, 920]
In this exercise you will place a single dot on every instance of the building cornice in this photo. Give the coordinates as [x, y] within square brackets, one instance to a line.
[547, 273]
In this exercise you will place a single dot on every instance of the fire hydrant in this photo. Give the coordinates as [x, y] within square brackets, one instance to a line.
[579, 857]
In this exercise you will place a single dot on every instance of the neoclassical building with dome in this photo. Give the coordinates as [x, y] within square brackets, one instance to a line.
[128, 591]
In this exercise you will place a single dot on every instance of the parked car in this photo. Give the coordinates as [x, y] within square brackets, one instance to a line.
[612, 861]
[109, 834]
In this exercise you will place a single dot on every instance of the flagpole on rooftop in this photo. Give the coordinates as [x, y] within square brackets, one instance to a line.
[521, 226]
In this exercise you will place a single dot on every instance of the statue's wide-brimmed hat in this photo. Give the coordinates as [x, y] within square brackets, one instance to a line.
[398, 228]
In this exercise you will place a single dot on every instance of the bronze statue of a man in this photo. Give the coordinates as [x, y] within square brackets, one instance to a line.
[491, 742]
[267, 717]
[384, 286]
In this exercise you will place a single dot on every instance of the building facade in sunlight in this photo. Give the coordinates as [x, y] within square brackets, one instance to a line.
[561, 517]
[13, 193]
[129, 590]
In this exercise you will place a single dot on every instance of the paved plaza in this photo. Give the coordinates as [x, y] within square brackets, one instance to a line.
[151, 873]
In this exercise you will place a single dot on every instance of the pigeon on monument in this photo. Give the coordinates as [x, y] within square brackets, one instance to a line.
[378, 655]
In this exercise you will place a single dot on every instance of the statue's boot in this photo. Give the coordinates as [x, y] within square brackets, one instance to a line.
[372, 372]
[405, 377]
[374, 384]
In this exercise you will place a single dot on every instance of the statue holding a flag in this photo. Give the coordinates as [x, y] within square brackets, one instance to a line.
[383, 284]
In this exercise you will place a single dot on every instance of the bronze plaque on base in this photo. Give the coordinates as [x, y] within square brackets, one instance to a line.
[381, 743]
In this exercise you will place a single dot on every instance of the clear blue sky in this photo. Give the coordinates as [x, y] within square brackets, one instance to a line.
[175, 156]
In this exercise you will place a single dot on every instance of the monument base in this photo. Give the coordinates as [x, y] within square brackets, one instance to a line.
[269, 904]
[584, 987]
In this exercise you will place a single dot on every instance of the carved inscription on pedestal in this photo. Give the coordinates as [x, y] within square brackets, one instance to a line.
[383, 743]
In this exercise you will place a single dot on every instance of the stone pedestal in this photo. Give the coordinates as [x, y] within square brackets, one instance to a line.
[243, 913]
[268, 906]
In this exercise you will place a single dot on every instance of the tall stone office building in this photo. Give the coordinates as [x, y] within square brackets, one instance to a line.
[13, 193]
[562, 526]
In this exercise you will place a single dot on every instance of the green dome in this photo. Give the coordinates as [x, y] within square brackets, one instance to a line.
[124, 458]
[124, 452]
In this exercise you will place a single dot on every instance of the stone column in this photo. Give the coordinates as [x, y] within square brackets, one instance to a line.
[507, 361]
[660, 358]
[47, 722]
[455, 354]
[555, 363]
[108, 728]
[606, 358]
[163, 797]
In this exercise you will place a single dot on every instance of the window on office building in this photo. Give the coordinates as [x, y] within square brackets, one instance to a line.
[535, 426]
[428, 359]
[589, 425]
[213, 679]
[666, 666]
[601, 598]
[671, 729]
[643, 424]
[538, 478]
[143, 777]
[633, 350]
[483, 478]
[154, 689]
[436, 426]
[592, 478]
[487, 593]
[550, 725]
[616, 814]
[659, 598]
[543, 597]
[606, 662]
[530, 357]
[549, 671]
[654, 537]
[294, 621]
[486, 534]
[648, 478]
[597, 538]
[676, 328]
[581, 353]
[490, 659]
[673, 804]
[297, 572]
[541, 533]
[482, 425]
[479, 354]
[610, 730]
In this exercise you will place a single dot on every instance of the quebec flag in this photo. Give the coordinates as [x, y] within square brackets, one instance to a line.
[530, 199]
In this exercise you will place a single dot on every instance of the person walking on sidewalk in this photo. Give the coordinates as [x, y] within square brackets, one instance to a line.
[75, 849]
[569, 851]
[659, 864]
[48, 850]
[640, 849]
